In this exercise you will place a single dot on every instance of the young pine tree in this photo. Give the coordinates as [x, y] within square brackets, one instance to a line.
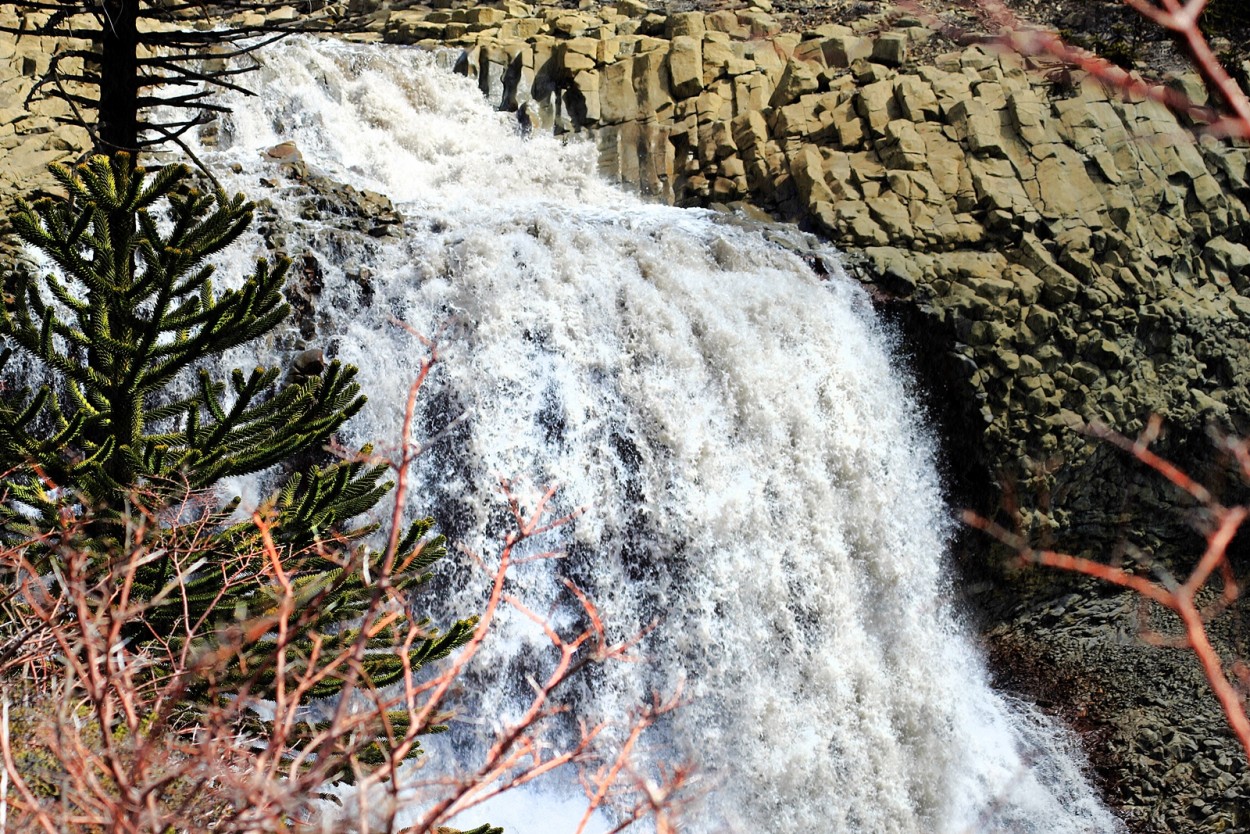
[131, 311]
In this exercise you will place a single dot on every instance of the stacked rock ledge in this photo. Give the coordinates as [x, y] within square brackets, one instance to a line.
[1085, 255]
[1055, 252]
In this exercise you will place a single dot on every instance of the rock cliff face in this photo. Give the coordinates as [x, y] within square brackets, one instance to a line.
[1051, 252]
[1081, 255]
[32, 134]
[1054, 253]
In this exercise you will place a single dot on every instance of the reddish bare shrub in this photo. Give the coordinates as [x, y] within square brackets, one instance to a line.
[97, 734]
[1230, 118]
[1183, 598]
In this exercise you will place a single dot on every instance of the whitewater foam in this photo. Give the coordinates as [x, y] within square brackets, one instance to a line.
[759, 482]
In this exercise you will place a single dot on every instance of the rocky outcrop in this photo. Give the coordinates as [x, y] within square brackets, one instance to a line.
[33, 133]
[1055, 253]
[1052, 252]
[1080, 254]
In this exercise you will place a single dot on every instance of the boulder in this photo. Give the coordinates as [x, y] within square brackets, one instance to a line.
[890, 49]
[903, 147]
[798, 79]
[685, 66]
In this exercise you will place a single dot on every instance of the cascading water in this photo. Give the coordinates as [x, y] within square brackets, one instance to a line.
[757, 478]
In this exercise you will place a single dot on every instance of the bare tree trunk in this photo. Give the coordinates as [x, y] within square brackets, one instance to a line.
[119, 78]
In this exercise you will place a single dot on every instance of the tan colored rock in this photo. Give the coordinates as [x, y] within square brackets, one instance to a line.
[493, 64]
[577, 55]
[1209, 193]
[949, 87]
[810, 52]
[758, 23]
[945, 157]
[794, 119]
[481, 15]
[978, 126]
[866, 72]
[1078, 123]
[1066, 189]
[651, 84]
[1059, 285]
[685, 66]
[632, 8]
[1182, 158]
[751, 92]
[1030, 118]
[998, 189]
[717, 53]
[978, 58]
[523, 28]
[727, 21]
[890, 49]
[617, 100]
[406, 27]
[750, 132]
[876, 105]
[587, 86]
[865, 167]
[848, 127]
[915, 186]
[853, 218]
[689, 24]
[952, 231]
[903, 147]
[808, 171]
[797, 80]
[591, 48]
[892, 216]
[722, 140]
[916, 100]
[990, 93]
[839, 175]
[573, 24]
[638, 154]
[981, 272]
[844, 49]
[713, 107]
[1231, 258]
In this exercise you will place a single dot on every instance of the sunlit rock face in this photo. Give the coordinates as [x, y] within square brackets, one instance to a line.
[756, 478]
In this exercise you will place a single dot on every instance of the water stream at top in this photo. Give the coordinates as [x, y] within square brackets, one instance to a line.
[757, 477]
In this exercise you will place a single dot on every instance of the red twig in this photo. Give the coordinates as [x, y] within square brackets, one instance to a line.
[127, 758]
[1174, 15]
[1181, 598]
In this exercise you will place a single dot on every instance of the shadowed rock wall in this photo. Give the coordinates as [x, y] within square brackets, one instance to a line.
[32, 134]
[1079, 256]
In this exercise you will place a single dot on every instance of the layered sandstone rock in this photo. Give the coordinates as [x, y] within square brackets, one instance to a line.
[33, 132]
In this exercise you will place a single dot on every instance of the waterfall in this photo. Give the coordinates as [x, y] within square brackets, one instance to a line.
[758, 481]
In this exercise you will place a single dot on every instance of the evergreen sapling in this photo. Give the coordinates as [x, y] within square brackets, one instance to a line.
[133, 311]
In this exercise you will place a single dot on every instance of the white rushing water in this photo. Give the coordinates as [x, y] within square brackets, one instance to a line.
[757, 479]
